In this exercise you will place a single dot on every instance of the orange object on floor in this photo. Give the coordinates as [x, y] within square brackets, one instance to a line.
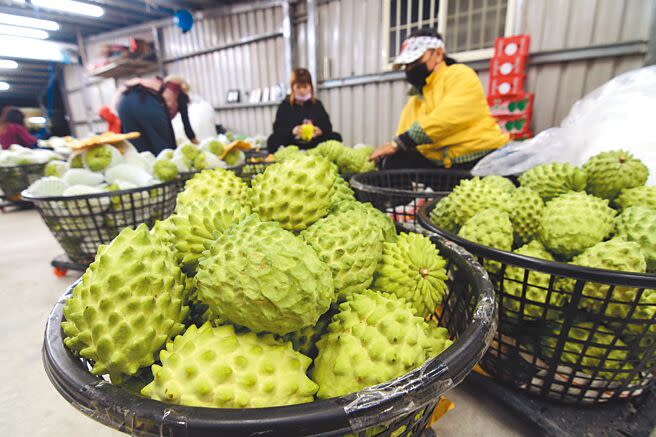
[442, 407]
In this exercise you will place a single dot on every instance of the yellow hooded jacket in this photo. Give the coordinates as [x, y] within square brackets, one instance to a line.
[450, 122]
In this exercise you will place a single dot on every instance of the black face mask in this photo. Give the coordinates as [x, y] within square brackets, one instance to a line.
[417, 75]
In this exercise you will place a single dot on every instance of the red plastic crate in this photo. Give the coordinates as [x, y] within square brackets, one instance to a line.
[517, 45]
[516, 105]
[515, 125]
[505, 86]
[508, 66]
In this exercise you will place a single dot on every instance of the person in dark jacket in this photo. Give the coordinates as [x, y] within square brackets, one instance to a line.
[148, 105]
[299, 108]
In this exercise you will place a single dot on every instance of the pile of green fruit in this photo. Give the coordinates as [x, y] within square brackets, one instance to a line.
[260, 296]
[600, 215]
[348, 160]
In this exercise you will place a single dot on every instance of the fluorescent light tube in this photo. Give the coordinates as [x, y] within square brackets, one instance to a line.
[28, 48]
[36, 23]
[23, 31]
[8, 64]
[70, 6]
[4, 86]
[37, 120]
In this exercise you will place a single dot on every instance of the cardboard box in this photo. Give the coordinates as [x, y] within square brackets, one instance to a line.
[516, 105]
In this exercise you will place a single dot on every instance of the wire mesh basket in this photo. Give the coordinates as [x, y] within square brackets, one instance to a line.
[14, 179]
[249, 171]
[82, 223]
[575, 334]
[401, 193]
[401, 407]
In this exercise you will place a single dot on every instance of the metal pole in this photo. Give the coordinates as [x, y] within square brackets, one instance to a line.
[157, 41]
[312, 39]
[85, 79]
[287, 38]
[650, 59]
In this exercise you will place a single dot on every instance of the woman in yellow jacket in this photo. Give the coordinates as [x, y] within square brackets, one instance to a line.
[448, 123]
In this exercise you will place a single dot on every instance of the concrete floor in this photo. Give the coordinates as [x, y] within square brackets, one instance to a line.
[32, 407]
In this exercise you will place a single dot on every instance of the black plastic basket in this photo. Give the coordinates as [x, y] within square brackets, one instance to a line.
[401, 407]
[401, 193]
[549, 346]
[249, 171]
[82, 223]
[14, 179]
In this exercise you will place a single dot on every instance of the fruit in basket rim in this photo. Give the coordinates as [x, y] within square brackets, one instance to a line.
[638, 223]
[213, 146]
[382, 220]
[165, 170]
[129, 303]
[305, 339]
[265, 278]
[610, 172]
[75, 161]
[442, 215]
[552, 180]
[526, 212]
[219, 368]
[234, 157]
[295, 193]
[47, 186]
[372, 339]
[286, 152]
[351, 245]
[575, 221]
[640, 327]
[538, 301]
[412, 269]
[489, 227]
[82, 176]
[55, 168]
[343, 192]
[201, 222]
[473, 195]
[638, 196]
[188, 150]
[604, 350]
[615, 254]
[500, 182]
[100, 157]
[216, 182]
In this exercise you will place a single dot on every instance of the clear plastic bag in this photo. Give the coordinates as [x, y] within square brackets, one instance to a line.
[617, 115]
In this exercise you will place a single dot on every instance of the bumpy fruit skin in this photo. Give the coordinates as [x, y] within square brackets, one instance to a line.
[639, 329]
[638, 223]
[614, 254]
[382, 220]
[305, 339]
[552, 180]
[212, 183]
[287, 152]
[343, 192]
[165, 170]
[55, 168]
[537, 287]
[374, 338]
[474, 195]
[351, 245]
[295, 193]
[443, 215]
[234, 157]
[189, 151]
[574, 222]
[129, 303]
[638, 196]
[526, 212]
[610, 172]
[219, 368]
[203, 221]
[500, 182]
[489, 227]
[76, 161]
[263, 277]
[412, 269]
[602, 351]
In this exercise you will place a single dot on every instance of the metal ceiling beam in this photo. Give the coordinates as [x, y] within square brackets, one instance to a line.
[22, 79]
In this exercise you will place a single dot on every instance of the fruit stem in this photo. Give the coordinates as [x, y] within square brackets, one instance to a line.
[423, 272]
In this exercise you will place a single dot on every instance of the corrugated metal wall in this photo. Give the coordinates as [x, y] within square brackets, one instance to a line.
[350, 44]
